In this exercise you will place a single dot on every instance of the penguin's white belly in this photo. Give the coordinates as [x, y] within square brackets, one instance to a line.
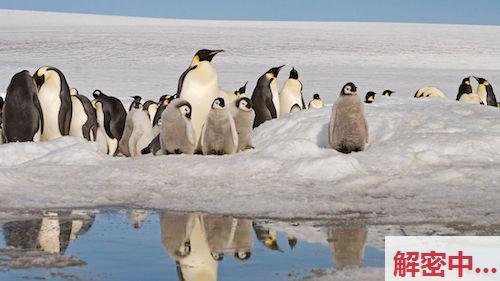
[51, 104]
[111, 143]
[48, 237]
[78, 118]
[276, 98]
[200, 93]
[470, 98]
[289, 96]
[481, 93]
[316, 104]
[142, 134]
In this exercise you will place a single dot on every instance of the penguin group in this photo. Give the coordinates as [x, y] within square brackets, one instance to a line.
[484, 93]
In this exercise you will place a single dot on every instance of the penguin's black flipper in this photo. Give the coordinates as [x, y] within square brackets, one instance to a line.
[39, 109]
[181, 79]
[153, 146]
[271, 108]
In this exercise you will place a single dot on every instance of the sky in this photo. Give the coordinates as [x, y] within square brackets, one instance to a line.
[484, 12]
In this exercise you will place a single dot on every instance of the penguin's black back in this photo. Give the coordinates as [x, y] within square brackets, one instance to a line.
[464, 89]
[262, 100]
[91, 124]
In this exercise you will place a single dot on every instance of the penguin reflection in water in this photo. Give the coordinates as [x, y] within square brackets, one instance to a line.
[348, 130]
[197, 242]
[347, 246]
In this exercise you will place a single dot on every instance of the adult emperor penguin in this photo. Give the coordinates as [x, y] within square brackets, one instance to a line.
[429, 92]
[177, 135]
[265, 97]
[111, 117]
[243, 120]
[219, 132]
[163, 102]
[142, 132]
[387, 93]
[465, 93]
[370, 97]
[315, 102]
[465, 88]
[348, 127]
[151, 107]
[485, 92]
[83, 118]
[55, 100]
[22, 118]
[199, 85]
[291, 93]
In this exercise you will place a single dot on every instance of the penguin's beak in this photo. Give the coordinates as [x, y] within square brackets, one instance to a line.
[215, 52]
[276, 70]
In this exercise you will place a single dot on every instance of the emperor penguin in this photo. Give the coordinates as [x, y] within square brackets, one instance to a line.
[151, 107]
[199, 85]
[347, 246]
[177, 135]
[83, 117]
[55, 100]
[123, 144]
[485, 92]
[265, 97]
[219, 132]
[315, 102]
[231, 97]
[136, 99]
[111, 117]
[243, 120]
[142, 132]
[429, 92]
[268, 237]
[291, 94]
[465, 93]
[370, 97]
[22, 117]
[295, 108]
[387, 93]
[348, 127]
[163, 102]
[155, 146]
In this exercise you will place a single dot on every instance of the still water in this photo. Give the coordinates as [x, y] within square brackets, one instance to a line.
[149, 245]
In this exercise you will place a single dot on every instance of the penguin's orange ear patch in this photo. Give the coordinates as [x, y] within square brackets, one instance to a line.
[196, 59]
[486, 83]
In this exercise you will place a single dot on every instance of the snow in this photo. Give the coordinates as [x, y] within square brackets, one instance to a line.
[428, 161]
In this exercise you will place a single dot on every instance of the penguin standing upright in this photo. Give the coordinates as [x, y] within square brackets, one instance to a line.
[163, 102]
[142, 132]
[219, 132]
[291, 94]
[465, 93]
[348, 127]
[83, 118]
[243, 120]
[370, 97]
[111, 117]
[485, 92]
[22, 117]
[123, 145]
[177, 134]
[55, 100]
[315, 102]
[265, 97]
[199, 85]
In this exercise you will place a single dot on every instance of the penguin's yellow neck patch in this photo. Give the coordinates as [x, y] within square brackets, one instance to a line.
[371, 98]
[486, 83]
[467, 82]
[196, 59]
[269, 75]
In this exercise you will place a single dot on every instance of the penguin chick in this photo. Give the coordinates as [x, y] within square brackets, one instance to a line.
[177, 134]
[243, 120]
[348, 127]
[219, 132]
[142, 132]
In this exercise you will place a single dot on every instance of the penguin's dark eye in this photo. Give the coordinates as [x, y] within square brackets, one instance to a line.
[348, 89]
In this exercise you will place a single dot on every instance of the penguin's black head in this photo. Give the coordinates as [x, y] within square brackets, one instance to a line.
[387, 93]
[137, 98]
[370, 97]
[242, 255]
[206, 55]
[349, 89]
[39, 78]
[165, 99]
[185, 109]
[482, 81]
[97, 93]
[294, 74]
[292, 242]
[241, 90]
[316, 97]
[218, 103]
[274, 71]
[147, 104]
[244, 104]
[466, 81]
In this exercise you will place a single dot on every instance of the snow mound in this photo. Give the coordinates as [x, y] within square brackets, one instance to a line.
[430, 160]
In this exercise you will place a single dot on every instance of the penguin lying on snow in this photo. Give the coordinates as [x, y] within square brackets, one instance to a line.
[265, 97]
[219, 132]
[291, 94]
[370, 97]
[429, 92]
[177, 134]
[315, 102]
[55, 100]
[83, 118]
[111, 117]
[22, 117]
[348, 127]
[387, 93]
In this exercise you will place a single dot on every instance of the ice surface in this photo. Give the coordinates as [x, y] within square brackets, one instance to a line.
[429, 161]
[365, 274]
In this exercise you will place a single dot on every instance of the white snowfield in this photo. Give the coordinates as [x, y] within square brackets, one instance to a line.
[428, 161]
